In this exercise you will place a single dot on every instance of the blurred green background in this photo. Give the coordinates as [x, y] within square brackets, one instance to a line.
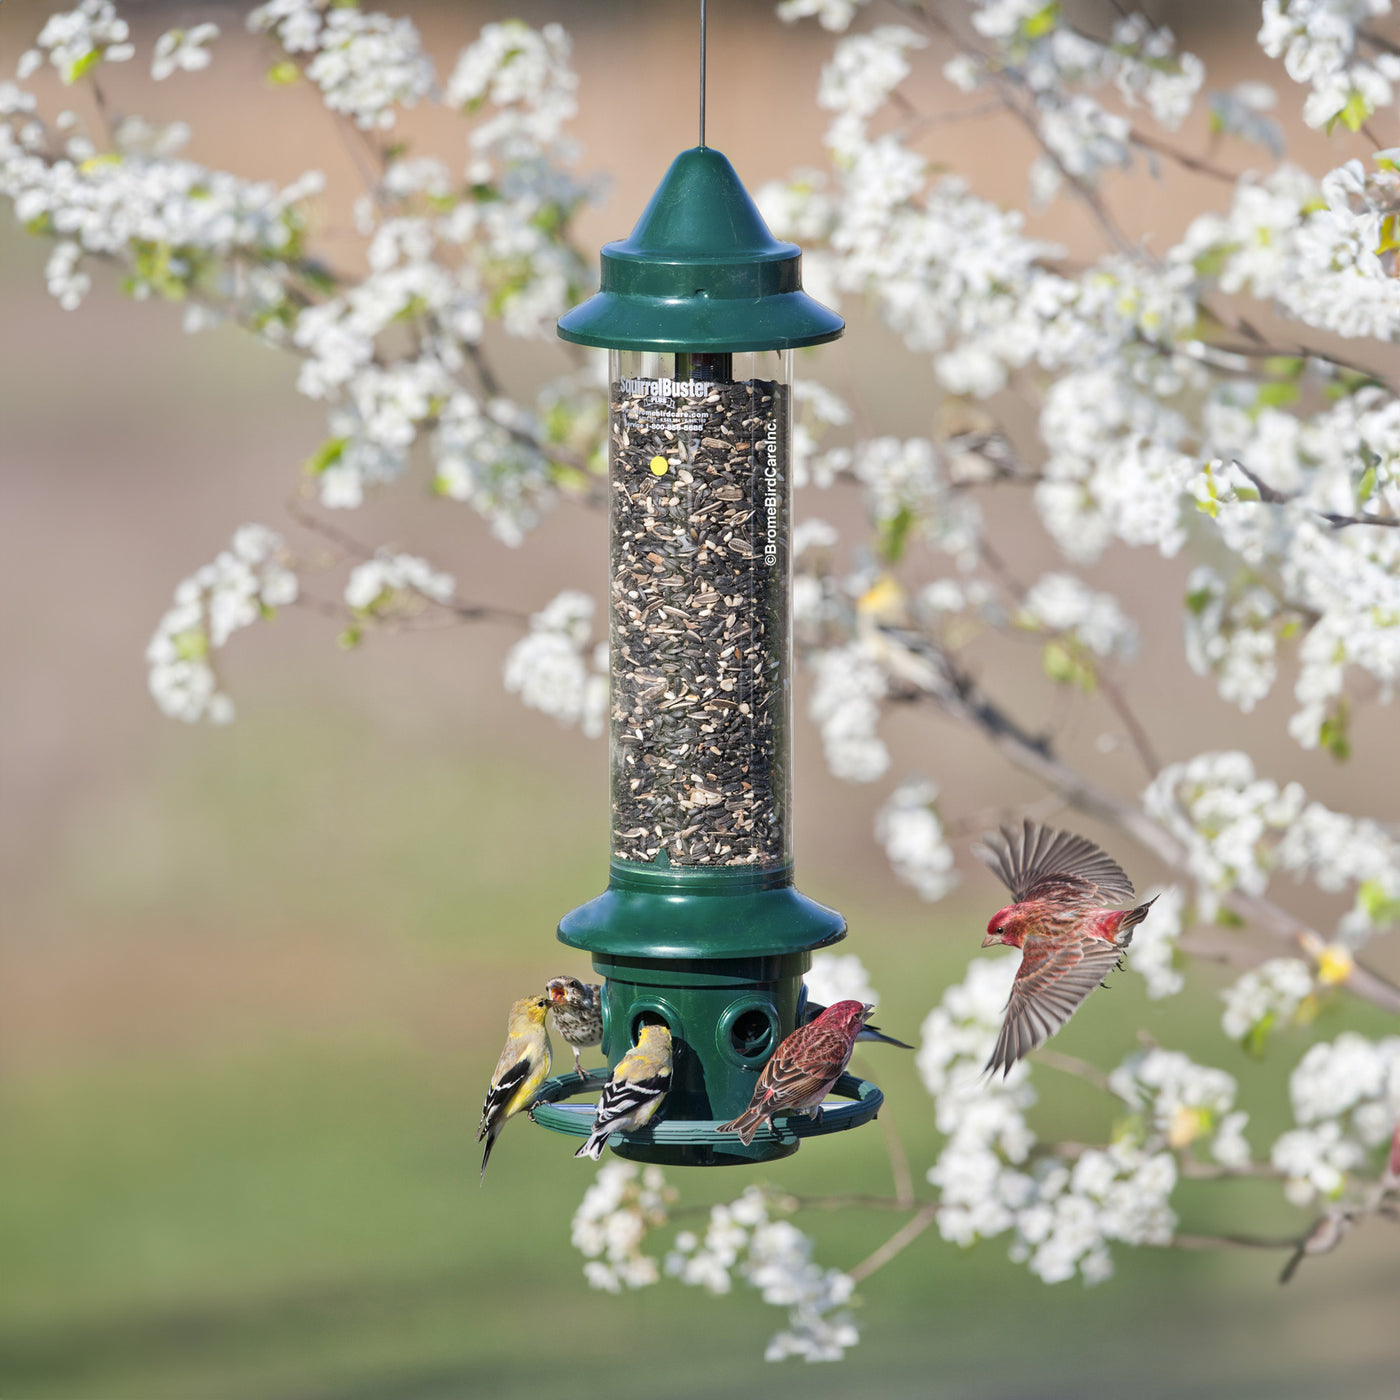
[254, 980]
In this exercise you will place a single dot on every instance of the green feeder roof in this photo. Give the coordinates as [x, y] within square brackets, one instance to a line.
[701, 272]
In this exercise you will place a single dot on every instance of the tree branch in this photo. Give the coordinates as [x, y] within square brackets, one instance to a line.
[896, 1244]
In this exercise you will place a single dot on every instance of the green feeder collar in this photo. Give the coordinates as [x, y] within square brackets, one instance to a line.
[701, 272]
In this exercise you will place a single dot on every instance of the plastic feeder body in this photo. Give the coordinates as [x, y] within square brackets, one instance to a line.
[700, 926]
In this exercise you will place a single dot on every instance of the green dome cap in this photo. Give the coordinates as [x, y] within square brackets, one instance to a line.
[701, 272]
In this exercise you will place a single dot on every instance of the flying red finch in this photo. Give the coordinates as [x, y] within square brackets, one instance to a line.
[1060, 882]
[803, 1069]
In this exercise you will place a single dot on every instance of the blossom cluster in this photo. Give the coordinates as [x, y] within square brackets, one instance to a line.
[1346, 1100]
[243, 583]
[1237, 828]
[909, 828]
[1153, 953]
[1182, 1103]
[837, 977]
[775, 1257]
[549, 667]
[622, 1206]
[1061, 1217]
[1318, 42]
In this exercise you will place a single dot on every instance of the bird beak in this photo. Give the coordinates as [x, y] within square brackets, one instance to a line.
[990, 938]
[867, 1010]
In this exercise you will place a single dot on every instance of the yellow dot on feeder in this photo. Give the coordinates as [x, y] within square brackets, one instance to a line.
[659, 466]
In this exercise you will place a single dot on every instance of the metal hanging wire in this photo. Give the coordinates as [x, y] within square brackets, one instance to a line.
[702, 74]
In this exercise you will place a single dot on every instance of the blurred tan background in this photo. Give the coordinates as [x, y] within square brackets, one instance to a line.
[253, 978]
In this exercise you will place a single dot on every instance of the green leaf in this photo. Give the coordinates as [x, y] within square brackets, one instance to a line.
[192, 644]
[327, 455]
[1065, 664]
[1276, 394]
[81, 67]
[894, 534]
[1255, 1037]
[1390, 234]
[350, 638]
[1380, 905]
[1366, 485]
[1353, 115]
[1333, 735]
[1038, 25]
[1200, 600]
[284, 74]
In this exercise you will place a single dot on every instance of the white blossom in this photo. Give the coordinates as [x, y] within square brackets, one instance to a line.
[1182, 1102]
[837, 977]
[1153, 951]
[373, 585]
[624, 1204]
[1063, 603]
[1346, 1100]
[834, 15]
[1265, 996]
[73, 41]
[243, 583]
[183, 49]
[775, 1257]
[548, 669]
[909, 829]
[846, 691]
[367, 65]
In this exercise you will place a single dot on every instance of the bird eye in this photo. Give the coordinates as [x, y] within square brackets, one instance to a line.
[1001, 928]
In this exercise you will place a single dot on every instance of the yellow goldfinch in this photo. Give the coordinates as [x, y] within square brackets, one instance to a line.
[522, 1068]
[635, 1091]
[882, 626]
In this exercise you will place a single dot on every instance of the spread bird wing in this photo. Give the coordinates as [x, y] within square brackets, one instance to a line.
[1050, 984]
[1038, 862]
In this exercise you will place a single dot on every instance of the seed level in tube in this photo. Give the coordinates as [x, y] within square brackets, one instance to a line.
[659, 466]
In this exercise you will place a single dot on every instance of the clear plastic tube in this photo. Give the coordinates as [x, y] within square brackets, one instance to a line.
[700, 641]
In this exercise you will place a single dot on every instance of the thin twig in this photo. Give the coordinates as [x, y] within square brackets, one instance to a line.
[1072, 1064]
[896, 1244]
[1142, 745]
[1006, 91]
[1180, 1241]
[1188, 162]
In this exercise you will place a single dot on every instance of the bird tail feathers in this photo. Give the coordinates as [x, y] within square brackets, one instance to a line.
[746, 1125]
[1124, 933]
[593, 1147]
[486, 1156]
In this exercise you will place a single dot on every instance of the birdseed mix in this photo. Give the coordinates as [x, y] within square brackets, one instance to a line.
[699, 634]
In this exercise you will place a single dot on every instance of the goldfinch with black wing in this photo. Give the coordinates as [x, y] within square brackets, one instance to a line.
[522, 1068]
[638, 1087]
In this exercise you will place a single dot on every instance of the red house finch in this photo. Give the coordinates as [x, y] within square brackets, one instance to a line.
[803, 1069]
[577, 1009]
[1059, 881]
[867, 1031]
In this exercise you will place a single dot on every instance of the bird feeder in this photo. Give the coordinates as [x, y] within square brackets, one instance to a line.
[701, 927]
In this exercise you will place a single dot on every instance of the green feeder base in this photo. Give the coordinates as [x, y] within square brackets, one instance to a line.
[717, 955]
[695, 1143]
